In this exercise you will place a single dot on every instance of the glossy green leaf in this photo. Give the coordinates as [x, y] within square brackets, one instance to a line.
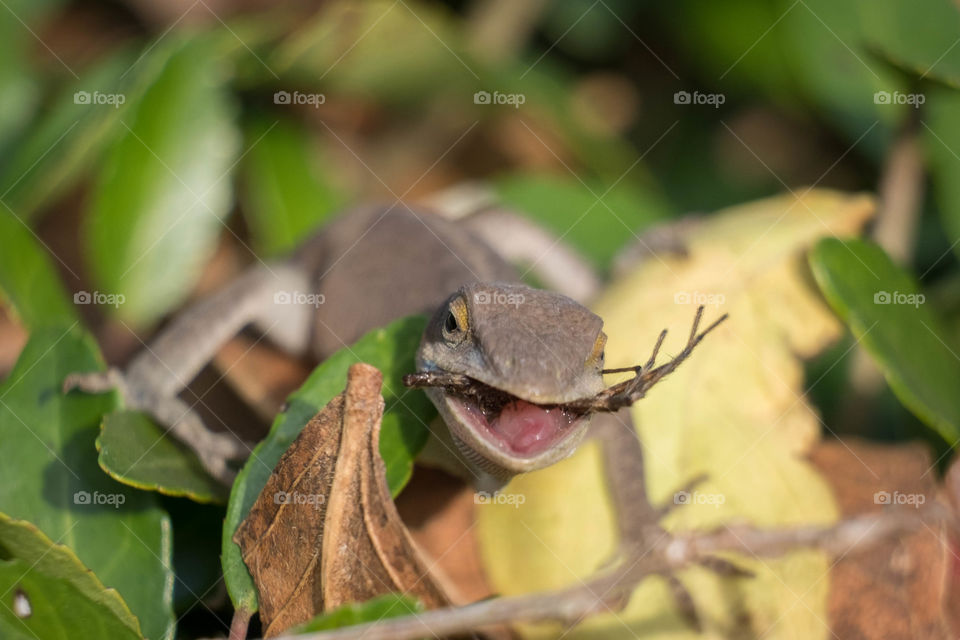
[403, 430]
[28, 280]
[917, 35]
[287, 190]
[48, 593]
[68, 137]
[50, 477]
[390, 605]
[135, 451]
[164, 188]
[596, 223]
[889, 315]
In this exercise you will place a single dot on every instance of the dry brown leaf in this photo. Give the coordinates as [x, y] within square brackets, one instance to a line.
[324, 531]
[895, 590]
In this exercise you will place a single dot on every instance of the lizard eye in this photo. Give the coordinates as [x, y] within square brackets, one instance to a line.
[450, 324]
[596, 357]
[455, 322]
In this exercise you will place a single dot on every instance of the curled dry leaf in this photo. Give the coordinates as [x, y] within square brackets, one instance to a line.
[324, 531]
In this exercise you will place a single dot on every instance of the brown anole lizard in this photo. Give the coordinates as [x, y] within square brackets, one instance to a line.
[515, 372]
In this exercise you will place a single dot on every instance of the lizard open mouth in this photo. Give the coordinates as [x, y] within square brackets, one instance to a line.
[514, 425]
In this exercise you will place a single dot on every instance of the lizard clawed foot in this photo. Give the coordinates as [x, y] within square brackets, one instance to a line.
[684, 601]
[214, 449]
[724, 568]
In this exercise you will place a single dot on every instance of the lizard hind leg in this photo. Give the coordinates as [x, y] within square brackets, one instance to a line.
[214, 449]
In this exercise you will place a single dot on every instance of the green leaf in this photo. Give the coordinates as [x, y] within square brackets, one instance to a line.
[821, 42]
[390, 605]
[65, 599]
[135, 451]
[67, 139]
[597, 226]
[724, 39]
[917, 35]
[403, 431]
[352, 48]
[287, 191]
[941, 139]
[19, 87]
[50, 477]
[886, 311]
[164, 188]
[28, 279]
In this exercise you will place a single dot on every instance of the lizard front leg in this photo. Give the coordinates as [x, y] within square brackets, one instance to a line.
[164, 367]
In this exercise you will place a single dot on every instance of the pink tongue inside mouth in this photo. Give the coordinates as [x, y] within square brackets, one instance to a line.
[526, 427]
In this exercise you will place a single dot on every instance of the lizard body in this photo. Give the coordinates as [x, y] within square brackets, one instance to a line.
[373, 265]
[528, 363]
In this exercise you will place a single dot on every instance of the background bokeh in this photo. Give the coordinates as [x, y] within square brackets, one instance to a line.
[150, 149]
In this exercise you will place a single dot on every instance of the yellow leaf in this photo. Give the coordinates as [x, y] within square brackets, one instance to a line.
[735, 411]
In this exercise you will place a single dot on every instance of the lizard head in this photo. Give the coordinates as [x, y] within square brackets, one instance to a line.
[525, 352]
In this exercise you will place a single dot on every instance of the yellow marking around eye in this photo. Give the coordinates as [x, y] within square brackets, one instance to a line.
[459, 310]
[594, 358]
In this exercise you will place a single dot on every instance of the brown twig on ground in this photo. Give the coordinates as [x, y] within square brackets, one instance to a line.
[603, 593]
